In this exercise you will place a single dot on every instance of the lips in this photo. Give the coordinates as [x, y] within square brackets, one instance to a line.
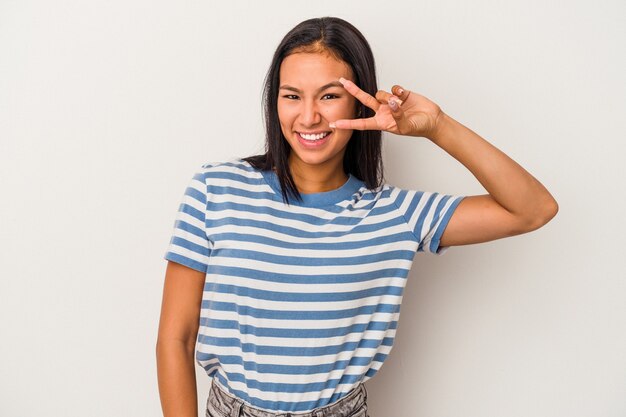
[313, 139]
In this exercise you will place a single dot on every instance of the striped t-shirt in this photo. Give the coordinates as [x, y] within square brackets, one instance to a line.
[301, 301]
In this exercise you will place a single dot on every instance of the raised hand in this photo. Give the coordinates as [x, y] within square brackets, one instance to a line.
[516, 203]
[402, 112]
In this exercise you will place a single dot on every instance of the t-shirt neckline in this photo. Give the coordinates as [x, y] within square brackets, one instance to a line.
[325, 198]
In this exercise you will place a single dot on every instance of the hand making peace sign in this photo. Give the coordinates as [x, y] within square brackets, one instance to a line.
[404, 112]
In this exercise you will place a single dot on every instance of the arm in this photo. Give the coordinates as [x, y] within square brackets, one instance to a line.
[178, 328]
[517, 203]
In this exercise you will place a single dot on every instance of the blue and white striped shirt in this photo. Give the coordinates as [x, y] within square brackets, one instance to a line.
[301, 302]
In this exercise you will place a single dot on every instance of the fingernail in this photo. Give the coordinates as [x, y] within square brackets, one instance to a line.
[393, 104]
[342, 80]
[400, 90]
[332, 125]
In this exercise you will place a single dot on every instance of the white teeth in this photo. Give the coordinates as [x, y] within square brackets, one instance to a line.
[314, 137]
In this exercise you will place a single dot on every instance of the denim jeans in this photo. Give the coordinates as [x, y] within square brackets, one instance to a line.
[223, 404]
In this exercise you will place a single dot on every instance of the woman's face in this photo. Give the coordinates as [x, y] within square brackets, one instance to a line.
[310, 96]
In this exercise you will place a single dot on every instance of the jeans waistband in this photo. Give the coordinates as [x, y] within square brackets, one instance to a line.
[223, 404]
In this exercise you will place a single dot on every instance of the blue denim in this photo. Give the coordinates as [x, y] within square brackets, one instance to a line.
[223, 404]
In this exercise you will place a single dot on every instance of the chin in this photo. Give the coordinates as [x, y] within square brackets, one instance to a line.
[313, 160]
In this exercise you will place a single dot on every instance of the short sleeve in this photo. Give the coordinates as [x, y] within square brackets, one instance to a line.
[189, 244]
[427, 215]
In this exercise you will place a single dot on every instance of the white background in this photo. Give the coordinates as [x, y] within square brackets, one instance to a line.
[108, 107]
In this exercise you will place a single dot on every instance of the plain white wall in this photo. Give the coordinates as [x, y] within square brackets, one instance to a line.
[108, 107]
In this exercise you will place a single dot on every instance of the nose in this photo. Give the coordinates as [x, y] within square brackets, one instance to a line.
[310, 115]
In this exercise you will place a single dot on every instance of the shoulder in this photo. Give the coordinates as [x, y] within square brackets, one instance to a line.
[385, 191]
[383, 197]
[235, 170]
[234, 165]
[233, 180]
[411, 201]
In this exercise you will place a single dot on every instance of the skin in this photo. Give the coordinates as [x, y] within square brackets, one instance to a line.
[310, 96]
[178, 329]
[516, 202]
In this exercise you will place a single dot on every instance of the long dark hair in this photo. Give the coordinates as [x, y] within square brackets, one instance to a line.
[342, 40]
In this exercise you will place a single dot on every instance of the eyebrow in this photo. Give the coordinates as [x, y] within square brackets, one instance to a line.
[322, 88]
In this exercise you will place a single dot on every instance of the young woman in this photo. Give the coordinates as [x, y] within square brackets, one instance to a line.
[286, 270]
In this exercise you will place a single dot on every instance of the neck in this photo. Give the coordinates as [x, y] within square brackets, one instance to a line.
[317, 178]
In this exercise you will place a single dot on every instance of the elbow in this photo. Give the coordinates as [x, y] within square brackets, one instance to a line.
[158, 348]
[549, 209]
[165, 346]
[553, 209]
[542, 215]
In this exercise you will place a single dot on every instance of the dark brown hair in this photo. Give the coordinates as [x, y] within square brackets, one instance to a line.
[363, 158]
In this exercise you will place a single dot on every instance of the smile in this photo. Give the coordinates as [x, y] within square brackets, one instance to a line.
[313, 136]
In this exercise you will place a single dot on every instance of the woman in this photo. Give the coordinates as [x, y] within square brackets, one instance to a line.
[286, 270]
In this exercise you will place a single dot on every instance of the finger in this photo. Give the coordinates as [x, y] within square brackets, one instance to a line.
[383, 96]
[400, 92]
[355, 124]
[360, 95]
[398, 114]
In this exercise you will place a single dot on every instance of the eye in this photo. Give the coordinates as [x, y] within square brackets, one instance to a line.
[329, 96]
[291, 96]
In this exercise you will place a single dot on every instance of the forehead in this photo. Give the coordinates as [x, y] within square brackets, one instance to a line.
[312, 69]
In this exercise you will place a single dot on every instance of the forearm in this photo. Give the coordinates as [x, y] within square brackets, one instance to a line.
[506, 181]
[177, 379]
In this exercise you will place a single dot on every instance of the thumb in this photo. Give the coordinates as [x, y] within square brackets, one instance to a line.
[398, 114]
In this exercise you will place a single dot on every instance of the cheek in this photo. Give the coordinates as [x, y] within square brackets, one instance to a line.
[345, 110]
[283, 115]
[350, 109]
